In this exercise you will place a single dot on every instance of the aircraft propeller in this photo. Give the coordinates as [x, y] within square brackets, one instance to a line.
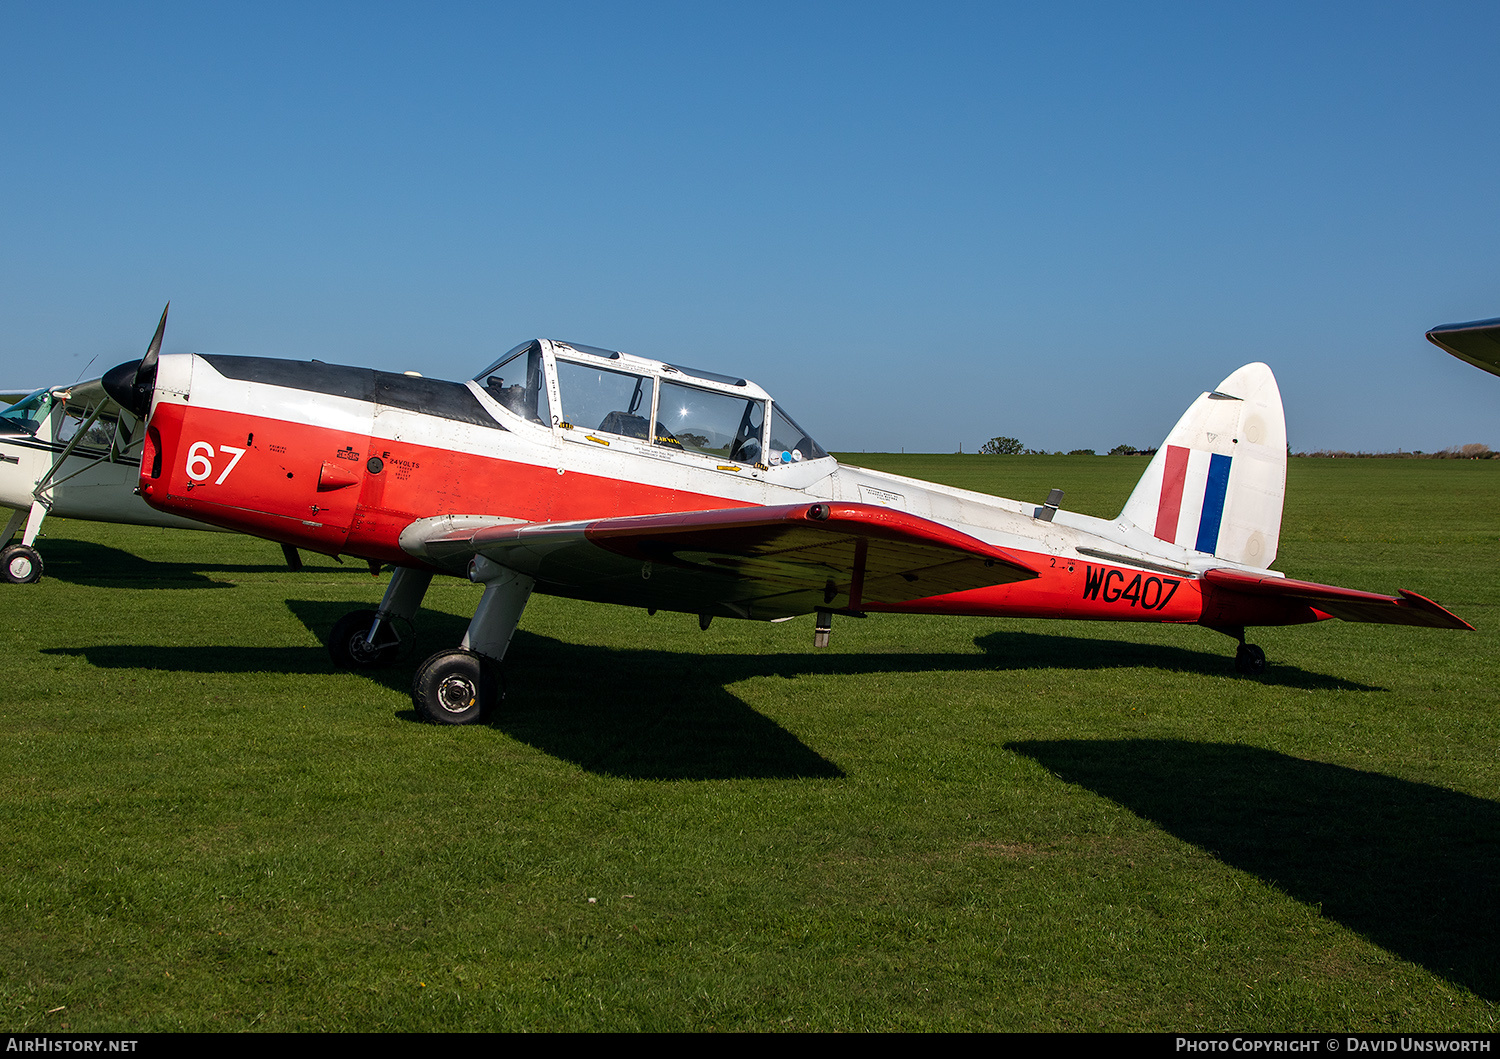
[131, 383]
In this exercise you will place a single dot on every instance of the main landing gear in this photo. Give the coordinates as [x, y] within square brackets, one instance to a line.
[20, 563]
[456, 686]
[369, 639]
[462, 686]
[352, 645]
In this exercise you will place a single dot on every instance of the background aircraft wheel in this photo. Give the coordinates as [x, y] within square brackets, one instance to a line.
[20, 565]
[348, 648]
[1250, 660]
[454, 687]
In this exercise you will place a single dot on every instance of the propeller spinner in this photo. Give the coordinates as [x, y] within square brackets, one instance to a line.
[131, 383]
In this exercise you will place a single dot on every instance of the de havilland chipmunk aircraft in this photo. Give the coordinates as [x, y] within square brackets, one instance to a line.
[596, 474]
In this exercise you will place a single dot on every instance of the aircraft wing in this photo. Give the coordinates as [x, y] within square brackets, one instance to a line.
[1477, 342]
[754, 562]
[1347, 603]
[90, 392]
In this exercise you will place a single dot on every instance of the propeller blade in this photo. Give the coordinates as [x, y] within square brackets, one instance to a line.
[131, 383]
[147, 371]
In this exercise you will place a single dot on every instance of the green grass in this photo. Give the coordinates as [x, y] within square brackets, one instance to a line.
[933, 824]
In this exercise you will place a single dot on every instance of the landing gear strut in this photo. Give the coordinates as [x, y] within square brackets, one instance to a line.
[368, 639]
[462, 686]
[20, 563]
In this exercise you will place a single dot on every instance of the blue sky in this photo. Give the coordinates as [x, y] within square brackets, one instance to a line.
[918, 225]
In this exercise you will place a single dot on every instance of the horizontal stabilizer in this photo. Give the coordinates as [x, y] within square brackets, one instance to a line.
[752, 561]
[1477, 342]
[1347, 603]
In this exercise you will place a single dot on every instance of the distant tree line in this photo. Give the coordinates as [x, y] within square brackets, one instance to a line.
[1013, 447]
[1472, 451]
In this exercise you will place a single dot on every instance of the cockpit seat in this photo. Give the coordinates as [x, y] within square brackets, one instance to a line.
[630, 426]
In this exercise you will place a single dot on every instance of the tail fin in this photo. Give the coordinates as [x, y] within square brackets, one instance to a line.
[1217, 483]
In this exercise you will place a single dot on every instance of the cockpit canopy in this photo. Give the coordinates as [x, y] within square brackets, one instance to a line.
[568, 385]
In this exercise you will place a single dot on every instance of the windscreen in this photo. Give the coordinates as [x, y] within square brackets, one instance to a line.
[789, 442]
[518, 381]
[26, 414]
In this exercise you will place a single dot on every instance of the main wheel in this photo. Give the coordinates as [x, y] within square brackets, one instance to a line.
[1250, 660]
[349, 649]
[20, 564]
[454, 687]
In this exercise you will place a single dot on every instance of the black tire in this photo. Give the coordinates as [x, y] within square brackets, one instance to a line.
[20, 565]
[348, 648]
[454, 687]
[1250, 660]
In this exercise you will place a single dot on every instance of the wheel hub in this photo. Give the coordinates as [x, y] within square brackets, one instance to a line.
[456, 694]
[362, 651]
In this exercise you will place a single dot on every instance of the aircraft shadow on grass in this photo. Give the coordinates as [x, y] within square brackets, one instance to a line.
[87, 563]
[655, 714]
[1009, 649]
[637, 714]
[610, 712]
[1412, 867]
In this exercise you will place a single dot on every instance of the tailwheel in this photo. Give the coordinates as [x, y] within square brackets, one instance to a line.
[1250, 660]
[350, 648]
[455, 687]
[20, 564]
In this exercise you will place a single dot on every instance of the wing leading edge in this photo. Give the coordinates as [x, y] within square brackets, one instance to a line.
[754, 562]
[1477, 342]
[1347, 603]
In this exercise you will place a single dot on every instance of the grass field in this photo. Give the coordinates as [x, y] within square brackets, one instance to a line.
[934, 824]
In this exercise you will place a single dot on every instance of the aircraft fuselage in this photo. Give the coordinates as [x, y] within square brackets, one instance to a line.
[342, 460]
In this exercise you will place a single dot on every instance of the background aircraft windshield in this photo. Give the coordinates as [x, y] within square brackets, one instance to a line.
[27, 414]
[99, 435]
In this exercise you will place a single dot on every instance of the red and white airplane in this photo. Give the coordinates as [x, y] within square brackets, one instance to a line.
[599, 475]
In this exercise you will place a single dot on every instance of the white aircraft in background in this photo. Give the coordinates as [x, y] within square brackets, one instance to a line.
[72, 451]
[68, 451]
